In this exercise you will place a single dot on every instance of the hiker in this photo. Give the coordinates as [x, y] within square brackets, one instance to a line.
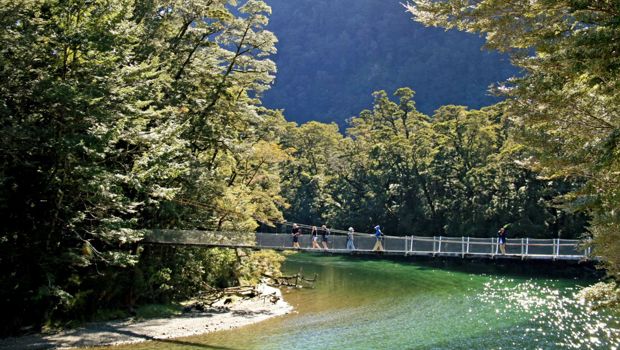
[325, 236]
[379, 236]
[296, 232]
[502, 233]
[315, 238]
[350, 245]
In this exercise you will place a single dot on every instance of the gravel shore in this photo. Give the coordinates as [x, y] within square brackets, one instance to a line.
[220, 317]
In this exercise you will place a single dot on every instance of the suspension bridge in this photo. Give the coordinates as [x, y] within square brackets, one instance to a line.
[437, 246]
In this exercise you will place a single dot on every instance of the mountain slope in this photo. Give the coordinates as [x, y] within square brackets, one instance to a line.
[333, 54]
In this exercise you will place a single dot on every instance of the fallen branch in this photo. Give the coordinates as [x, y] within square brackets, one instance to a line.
[297, 280]
[211, 296]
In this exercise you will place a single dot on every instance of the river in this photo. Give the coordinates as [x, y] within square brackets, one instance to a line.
[384, 304]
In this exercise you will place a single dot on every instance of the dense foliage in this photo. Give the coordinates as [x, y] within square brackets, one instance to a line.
[568, 102]
[119, 116]
[333, 54]
[456, 172]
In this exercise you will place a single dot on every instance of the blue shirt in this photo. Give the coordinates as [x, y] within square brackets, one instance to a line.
[378, 232]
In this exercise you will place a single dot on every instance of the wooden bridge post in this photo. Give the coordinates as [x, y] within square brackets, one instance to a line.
[527, 246]
[411, 248]
[439, 250]
[467, 245]
[462, 247]
[406, 245]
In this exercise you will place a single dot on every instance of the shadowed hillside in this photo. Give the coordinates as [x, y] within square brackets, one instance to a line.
[333, 54]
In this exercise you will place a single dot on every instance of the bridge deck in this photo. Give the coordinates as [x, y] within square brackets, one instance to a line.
[516, 248]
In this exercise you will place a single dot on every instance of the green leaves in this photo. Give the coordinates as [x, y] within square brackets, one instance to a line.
[119, 116]
[459, 172]
[315, 160]
[567, 100]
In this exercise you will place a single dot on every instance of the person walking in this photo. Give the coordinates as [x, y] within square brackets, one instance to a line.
[296, 232]
[501, 240]
[350, 245]
[325, 232]
[379, 236]
[315, 238]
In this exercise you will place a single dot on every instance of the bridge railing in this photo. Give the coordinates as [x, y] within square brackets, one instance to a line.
[361, 242]
[407, 245]
[489, 246]
[411, 245]
[198, 237]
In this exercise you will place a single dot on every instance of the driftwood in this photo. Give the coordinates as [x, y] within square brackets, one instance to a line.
[206, 299]
[297, 280]
[273, 297]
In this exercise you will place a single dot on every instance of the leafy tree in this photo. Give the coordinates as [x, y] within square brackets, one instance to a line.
[314, 163]
[394, 145]
[455, 173]
[118, 116]
[567, 100]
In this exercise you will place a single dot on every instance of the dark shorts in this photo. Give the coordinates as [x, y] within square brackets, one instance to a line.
[295, 239]
[502, 240]
[324, 239]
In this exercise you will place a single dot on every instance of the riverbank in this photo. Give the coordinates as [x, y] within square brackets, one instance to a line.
[267, 304]
[378, 303]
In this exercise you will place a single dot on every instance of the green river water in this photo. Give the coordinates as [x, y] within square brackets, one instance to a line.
[382, 304]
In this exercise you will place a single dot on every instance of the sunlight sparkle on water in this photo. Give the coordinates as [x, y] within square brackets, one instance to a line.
[548, 308]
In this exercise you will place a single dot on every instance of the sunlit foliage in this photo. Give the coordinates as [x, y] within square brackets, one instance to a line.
[568, 99]
[458, 172]
[118, 116]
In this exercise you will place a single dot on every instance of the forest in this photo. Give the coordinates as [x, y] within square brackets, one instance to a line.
[122, 116]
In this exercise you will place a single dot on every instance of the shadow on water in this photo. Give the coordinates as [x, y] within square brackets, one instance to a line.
[503, 336]
[480, 266]
[188, 343]
[176, 341]
[39, 343]
[249, 313]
